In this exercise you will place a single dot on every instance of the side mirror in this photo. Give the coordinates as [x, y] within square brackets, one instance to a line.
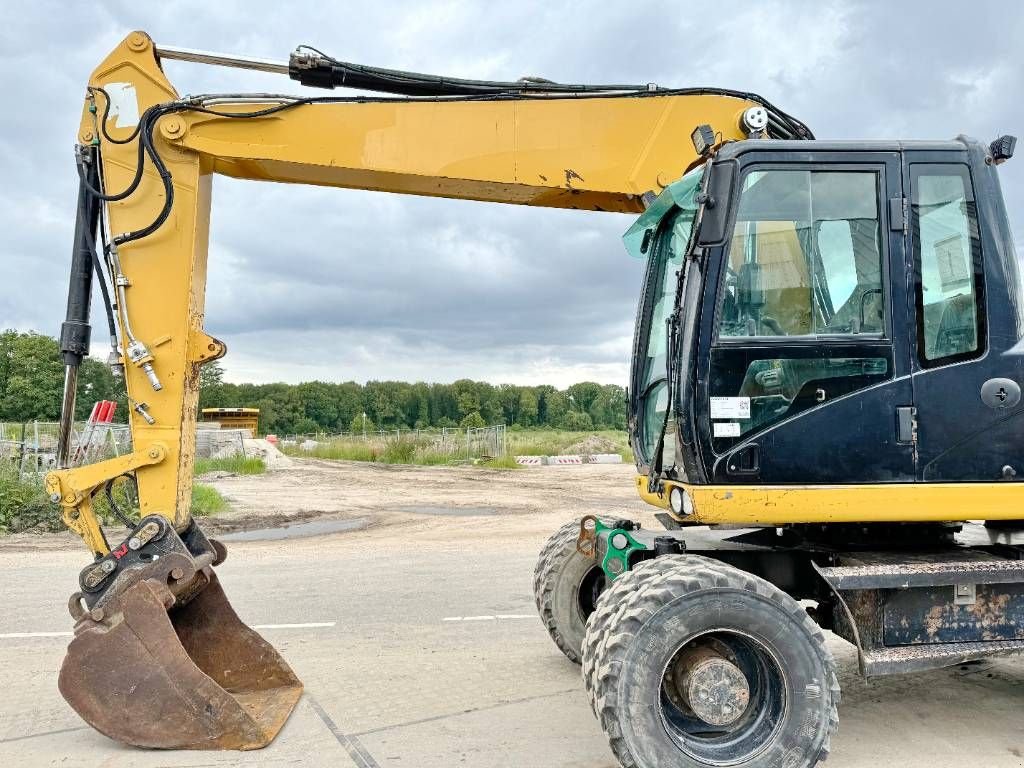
[716, 218]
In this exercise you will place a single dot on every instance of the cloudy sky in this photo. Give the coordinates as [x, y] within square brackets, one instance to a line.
[383, 286]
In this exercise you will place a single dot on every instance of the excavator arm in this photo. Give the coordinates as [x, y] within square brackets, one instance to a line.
[146, 160]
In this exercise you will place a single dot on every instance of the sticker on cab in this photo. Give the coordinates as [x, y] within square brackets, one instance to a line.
[730, 407]
[727, 429]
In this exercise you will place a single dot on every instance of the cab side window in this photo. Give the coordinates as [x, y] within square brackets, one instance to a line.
[947, 257]
[805, 257]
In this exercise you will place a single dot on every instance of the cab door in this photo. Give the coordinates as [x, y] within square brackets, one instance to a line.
[807, 380]
[967, 390]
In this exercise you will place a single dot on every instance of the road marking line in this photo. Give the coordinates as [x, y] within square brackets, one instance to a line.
[307, 625]
[498, 617]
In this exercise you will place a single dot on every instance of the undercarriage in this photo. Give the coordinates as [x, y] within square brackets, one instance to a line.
[704, 645]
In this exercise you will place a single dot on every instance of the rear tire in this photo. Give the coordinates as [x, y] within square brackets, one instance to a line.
[783, 711]
[566, 586]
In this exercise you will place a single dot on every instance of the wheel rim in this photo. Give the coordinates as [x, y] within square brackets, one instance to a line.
[590, 589]
[723, 697]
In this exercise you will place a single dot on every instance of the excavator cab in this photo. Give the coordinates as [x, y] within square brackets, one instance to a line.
[828, 284]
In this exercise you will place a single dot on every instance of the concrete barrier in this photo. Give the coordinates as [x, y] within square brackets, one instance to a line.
[567, 460]
[605, 458]
[531, 461]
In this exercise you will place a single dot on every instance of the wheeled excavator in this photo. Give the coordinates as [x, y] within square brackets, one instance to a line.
[824, 394]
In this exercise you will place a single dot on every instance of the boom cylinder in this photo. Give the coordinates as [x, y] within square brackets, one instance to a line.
[75, 331]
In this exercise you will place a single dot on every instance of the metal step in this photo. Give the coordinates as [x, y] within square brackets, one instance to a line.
[878, 662]
[907, 575]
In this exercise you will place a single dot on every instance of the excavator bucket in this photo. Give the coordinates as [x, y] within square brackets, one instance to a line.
[177, 671]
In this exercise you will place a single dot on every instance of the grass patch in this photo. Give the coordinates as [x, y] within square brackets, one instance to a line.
[430, 450]
[423, 450]
[24, 506]
[207, 501]
[501, 462]
[552, 442]
[236, 465]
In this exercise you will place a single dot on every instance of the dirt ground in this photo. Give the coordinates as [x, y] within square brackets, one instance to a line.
[408, 614]
[449, 501]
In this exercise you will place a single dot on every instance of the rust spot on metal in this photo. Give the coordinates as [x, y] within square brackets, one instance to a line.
[570, 174]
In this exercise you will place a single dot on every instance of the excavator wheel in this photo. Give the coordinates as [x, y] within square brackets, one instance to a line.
[610, 606]
[707, 665]
[566, 587]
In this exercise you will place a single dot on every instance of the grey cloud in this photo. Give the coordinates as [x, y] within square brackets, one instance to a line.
[312, 283]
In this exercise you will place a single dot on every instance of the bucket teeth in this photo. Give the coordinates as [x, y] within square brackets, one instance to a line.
[191, 676]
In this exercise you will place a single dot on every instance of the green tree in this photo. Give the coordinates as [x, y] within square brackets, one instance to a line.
[359, 424]
[467, 399]
[473, 421]
[527, 408]
[584, 394]
[320, 405]
[32, 380]
[212, 392]
[577, 421]
[556, 406]
[609, 409]
[382, 402]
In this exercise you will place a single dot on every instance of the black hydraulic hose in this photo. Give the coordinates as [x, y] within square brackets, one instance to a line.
[132, 185]
[108, 491]
[101, 280]
[146, 141]
[106, 115]
[325, 71]
[328, 72]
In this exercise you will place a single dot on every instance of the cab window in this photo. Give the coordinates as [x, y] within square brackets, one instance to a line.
[805, 257]
[947, 256]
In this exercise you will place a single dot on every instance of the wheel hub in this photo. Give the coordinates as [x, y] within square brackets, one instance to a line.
[717, 692]
[710, 685]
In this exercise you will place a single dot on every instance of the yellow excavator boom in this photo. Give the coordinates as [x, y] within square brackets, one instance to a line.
[591, 152]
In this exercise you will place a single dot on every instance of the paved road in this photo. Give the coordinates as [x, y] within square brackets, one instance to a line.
[392, 683]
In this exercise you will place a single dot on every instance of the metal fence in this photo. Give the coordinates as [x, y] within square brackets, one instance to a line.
[486, 442]
[214, 443]
[32, 446]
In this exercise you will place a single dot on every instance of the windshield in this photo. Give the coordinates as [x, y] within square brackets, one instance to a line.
[665, 228]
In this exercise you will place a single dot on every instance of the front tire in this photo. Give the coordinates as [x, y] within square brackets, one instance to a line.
[609, 608]
[566, 586]
[712, 666]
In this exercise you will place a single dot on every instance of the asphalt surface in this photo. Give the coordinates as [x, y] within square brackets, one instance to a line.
[430, 655]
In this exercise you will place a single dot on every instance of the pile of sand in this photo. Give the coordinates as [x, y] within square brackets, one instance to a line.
[261, 449]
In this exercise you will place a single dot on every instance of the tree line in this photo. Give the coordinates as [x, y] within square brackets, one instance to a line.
[31, 379]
